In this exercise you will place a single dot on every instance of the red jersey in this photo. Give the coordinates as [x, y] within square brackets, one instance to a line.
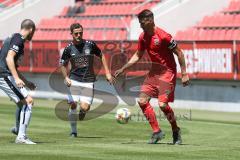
[159, 47]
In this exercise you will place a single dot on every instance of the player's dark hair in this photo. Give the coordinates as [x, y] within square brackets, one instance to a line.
[28, 24]
[75, 26]
[145, 14]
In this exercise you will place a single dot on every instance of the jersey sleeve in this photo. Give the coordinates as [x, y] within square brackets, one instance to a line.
[169, 41]
[65, 56]
[16, 44]
[141, 45]
[96, 50]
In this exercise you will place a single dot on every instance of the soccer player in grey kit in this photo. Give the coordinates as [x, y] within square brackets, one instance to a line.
[80, 53]
[12, 82]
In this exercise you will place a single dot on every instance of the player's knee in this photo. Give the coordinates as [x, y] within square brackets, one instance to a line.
[162, 105]
[142, 101]
[85, 107]
[73, 105]
[28, 100]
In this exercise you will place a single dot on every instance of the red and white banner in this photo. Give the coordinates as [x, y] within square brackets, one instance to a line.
[205, 60]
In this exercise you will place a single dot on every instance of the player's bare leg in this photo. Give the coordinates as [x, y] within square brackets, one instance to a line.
[176, 132]
[72, 116]
[151, 117]
[25, 117]
[84, 107]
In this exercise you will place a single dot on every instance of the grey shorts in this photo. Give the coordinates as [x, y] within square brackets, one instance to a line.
[81, 92]
[8, 85]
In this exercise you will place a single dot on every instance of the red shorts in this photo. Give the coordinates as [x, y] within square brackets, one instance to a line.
[160, 86]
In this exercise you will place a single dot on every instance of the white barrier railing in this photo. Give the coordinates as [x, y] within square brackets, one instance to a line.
[166, 5]
[15, 8]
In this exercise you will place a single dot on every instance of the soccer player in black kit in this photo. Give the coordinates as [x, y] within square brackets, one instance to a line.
[11, 80]
[80, 53]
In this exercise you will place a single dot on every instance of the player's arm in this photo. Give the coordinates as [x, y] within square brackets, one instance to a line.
[12, 68]
[172, 45]
[182, 63]
[134, 59]
[97, 52]
[64, 66]
[136, 56]
[28, 84]
[108, 74]
[64, 70]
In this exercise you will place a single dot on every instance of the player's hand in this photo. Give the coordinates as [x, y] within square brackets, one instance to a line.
[31, 85]
[19, 82]
[118, 72]
[185, 80]
[68, 81]
[110, 78]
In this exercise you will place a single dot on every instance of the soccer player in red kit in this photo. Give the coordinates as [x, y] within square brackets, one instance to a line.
[161, 79]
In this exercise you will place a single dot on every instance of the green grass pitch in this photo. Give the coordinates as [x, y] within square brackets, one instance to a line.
[206, 136]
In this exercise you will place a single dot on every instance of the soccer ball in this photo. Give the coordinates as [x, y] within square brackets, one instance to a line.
[123, 115]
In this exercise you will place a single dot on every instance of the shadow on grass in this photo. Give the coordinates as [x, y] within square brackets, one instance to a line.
[160, 143]
[89, 137]
[38, 142]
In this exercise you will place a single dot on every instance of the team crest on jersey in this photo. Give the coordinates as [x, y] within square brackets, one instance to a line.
[15, 47]
[156, 41]
[87, 51]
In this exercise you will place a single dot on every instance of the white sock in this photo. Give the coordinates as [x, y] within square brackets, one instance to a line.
[25, 117]
[17, 115]
[72, 116]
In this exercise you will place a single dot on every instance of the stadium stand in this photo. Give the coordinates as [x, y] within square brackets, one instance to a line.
[234, 7]
[8, 3]
[53, 35]
[102, 19]
[224, 25]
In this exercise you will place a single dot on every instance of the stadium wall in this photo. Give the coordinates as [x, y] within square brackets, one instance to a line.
[214, 69]
[218, 60]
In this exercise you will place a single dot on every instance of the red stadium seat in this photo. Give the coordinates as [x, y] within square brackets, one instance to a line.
[220, 26]
[9, 3]
[229, 34]
[104, 20]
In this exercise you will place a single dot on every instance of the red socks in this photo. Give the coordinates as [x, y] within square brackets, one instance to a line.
[170, 117]
[150, 115]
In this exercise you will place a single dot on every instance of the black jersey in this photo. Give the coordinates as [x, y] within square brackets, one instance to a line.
[81, 57]
[14, 43]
